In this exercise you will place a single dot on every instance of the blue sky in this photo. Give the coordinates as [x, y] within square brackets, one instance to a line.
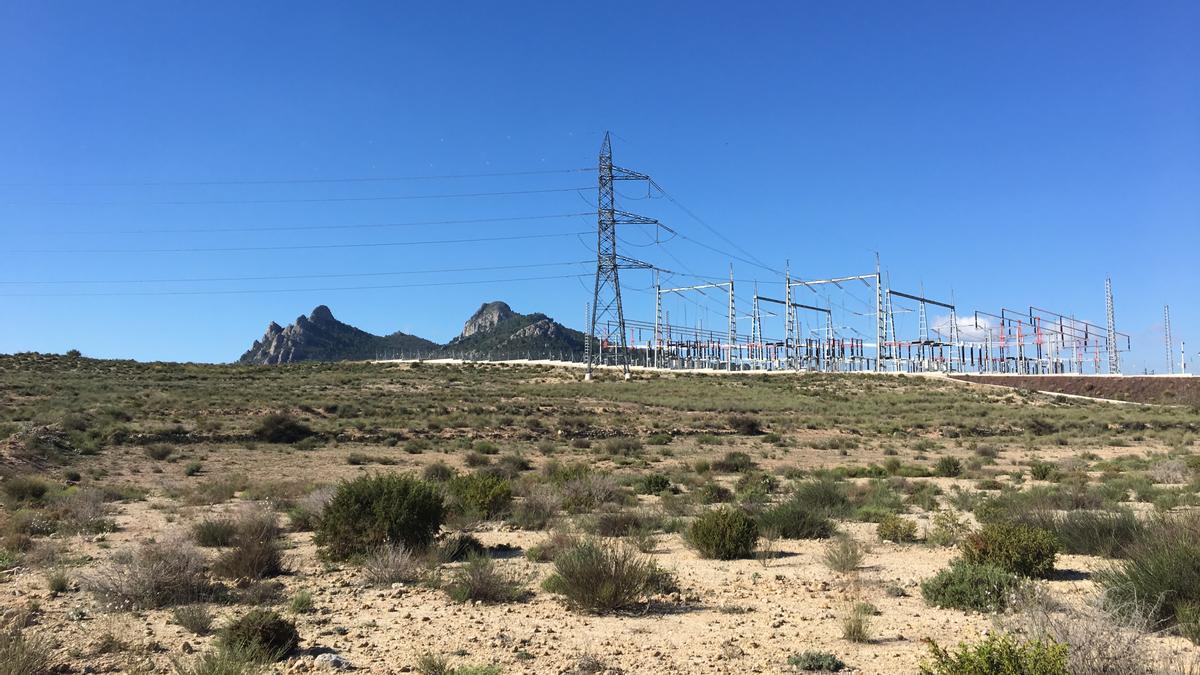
[1011, 155]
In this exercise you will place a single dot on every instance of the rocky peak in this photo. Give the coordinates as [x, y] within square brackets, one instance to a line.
[486, 317]
[321, 337]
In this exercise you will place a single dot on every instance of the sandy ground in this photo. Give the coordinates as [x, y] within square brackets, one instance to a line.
[729, 617]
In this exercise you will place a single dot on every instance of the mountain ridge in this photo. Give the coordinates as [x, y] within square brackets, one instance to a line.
[493, 331]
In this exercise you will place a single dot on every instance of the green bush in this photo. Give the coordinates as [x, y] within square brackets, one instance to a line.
[480, 495]
[281, 428]
[1161, 572]
[1020, 549]
[622, 446]
[733, 462]
[724, 533]
[458, 547]
[261, 631]
[438, 472]
[1040, 470]
[948, 467]
[25, 488]
[1107, 533]
[999, 653]
[485, 448]
[652, 484]
[747, 425]
[619, 523]
[813, 661]
[971, 587]
[602, 577]
[794, 519]
[373, 511]
[896, 528]
[1187, 620]
[823, 495]
[713, 493]
[948, 529]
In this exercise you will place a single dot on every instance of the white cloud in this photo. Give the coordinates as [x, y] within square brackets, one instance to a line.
[967, 330]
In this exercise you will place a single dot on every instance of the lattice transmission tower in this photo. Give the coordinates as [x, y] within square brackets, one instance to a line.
[607, 325]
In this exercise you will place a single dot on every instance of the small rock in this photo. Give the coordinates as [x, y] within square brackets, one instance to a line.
[332, 661]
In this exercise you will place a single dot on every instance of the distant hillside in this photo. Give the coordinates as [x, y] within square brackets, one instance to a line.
[320, 337]
[495, 331]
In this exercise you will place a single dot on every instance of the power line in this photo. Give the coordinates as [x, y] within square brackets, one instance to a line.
[291, 290]
[753, 260]
[306, 200]
[302, 181]
[290, 276]
[296, 247]
[287, 228]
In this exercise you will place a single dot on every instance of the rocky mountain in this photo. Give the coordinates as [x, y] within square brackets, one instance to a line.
[495, 331]
[486, 317]
[320, 337]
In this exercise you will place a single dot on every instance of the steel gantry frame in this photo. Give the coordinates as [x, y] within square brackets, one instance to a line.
[874, 279]
[730, 345]
[923, 342]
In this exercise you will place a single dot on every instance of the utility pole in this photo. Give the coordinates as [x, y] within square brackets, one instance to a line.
[1114, 359]
[789, 319]
[880, 317]
[606, 294]
[1167, 339]
[732, 338]
[756, 338]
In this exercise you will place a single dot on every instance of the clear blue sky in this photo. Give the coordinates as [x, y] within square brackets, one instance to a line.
[1012, 154]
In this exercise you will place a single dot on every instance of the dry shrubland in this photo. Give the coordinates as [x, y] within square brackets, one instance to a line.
[489, 518]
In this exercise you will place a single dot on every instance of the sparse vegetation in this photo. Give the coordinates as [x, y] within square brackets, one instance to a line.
[1162, 568]
[814, 661]
[254, 549]
[602, 577]
[479, 580]
[843, 555]
[156, 574]
[214, 532]
[22, 653]
[193, 618]
[897, 529]
[391, 564]
[998, 653]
